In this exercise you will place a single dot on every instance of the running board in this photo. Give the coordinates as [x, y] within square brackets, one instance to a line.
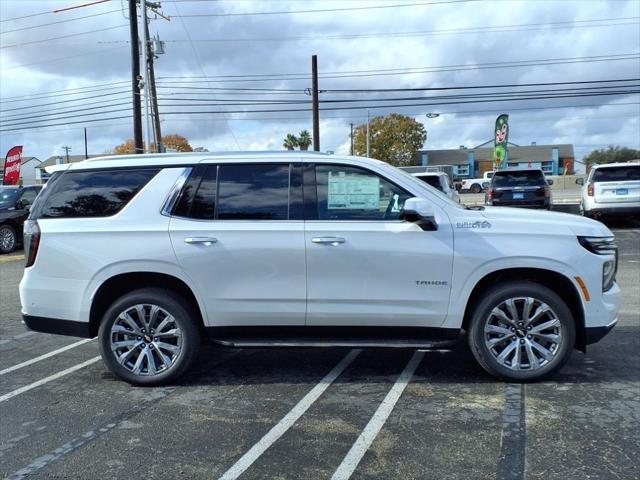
[421, 344]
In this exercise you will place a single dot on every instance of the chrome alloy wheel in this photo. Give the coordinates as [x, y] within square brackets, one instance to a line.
[145, 339]
[523, 333]
[7, 239]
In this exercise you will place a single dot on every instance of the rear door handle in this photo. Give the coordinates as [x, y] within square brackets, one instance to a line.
[201, 240]
[328, 240]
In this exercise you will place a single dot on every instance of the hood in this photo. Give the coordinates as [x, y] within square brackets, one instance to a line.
[579, 225]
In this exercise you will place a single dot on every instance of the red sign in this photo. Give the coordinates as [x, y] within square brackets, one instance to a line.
[12, 166]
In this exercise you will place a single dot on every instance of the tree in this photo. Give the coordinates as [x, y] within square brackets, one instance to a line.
[304, 140]
[394, 138]
[172, 141]
[612, 154]
[290, 142]
[176, 142]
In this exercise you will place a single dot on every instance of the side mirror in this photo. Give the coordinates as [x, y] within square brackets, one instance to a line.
[580, 181]
[419, 211]
[550, 182]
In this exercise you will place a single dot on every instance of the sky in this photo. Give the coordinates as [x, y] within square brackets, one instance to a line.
[63, 71]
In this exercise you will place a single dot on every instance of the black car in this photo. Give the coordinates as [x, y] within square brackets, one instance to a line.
[519, 188]
[15, 203]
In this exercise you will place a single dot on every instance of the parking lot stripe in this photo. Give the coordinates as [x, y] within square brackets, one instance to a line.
[370, 432]
[289, 419]
[511, 460]
[48, 379]
[46, 355]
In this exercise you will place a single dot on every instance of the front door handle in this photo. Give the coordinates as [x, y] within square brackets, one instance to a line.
[207, 241]
[335, 241]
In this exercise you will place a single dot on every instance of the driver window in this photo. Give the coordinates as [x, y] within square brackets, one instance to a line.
[28, 196]
[351, 193]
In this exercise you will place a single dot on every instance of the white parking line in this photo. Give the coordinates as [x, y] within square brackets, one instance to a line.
[370, 432]
[288, 420]
[46, 355]
[48, 379]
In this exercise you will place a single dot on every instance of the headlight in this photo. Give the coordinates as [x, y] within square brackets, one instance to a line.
[603, 246]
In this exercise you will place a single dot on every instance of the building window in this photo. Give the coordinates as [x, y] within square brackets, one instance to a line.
[462, 169]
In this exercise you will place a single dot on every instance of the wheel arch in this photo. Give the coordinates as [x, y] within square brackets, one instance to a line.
[116, 286]
[559, 283]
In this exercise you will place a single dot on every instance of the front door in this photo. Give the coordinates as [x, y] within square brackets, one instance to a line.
[365, 266]
[238, 237]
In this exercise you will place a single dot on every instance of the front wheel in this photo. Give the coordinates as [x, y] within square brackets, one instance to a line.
[522, 332]
[149, 337]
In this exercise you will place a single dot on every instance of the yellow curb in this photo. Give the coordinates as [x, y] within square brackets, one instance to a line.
[11, 258]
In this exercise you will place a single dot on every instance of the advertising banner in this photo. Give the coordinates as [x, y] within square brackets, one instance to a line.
[12, 164]
[501, 137]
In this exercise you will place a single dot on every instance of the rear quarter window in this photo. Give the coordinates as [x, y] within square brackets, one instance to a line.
[93, 193]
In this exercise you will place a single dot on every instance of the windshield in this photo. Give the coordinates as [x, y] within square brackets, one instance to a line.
[432, 180]
[528, 178]
[8, 197]
[617, 174]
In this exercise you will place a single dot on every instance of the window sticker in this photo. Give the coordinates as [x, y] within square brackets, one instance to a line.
[353, 192]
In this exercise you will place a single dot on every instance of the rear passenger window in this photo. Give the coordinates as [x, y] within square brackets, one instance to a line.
[204, 201]
[253, 192]
[94, 194]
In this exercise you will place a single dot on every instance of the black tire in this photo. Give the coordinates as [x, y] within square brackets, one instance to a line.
[8, 239]
[494, 298]
[475, 188]
[184, 320]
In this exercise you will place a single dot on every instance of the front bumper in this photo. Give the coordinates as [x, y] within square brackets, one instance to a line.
[595, 334]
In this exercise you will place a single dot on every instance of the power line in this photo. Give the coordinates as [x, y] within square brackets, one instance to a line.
[54, 114]
[94, 52]
[71, 100]
[64, 95]
[463, 112]
[422, 33]
[44, 40]
[325, 10]
[412, 71]
[58, 22]
[78, 116]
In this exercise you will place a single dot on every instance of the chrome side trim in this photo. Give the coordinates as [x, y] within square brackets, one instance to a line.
[174, 193]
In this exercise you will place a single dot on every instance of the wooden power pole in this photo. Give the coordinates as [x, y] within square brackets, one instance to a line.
[135, 76]
[316, 103]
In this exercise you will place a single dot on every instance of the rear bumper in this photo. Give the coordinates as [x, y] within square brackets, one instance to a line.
[525, 204]
[57, 326]
[613, 209]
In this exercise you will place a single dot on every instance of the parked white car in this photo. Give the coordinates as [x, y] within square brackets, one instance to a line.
[476, 185]
[441, 182]
[150, 253]
[611, 189]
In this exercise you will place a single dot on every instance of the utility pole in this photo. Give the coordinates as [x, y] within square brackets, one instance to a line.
[66, 151]
[86, 150]
[145, 78]
[154, 96]
[135, 76]
[351, 151]
[368, 142]
[316, 103]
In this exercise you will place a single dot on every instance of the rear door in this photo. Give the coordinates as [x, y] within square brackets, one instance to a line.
[365, 266]
[238, 233]
[619, 184]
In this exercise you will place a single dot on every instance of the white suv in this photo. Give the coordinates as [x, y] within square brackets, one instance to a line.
[611, 189]
[153, 252]
[441, 182]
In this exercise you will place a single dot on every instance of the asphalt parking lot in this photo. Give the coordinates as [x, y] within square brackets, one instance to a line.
[310, 414]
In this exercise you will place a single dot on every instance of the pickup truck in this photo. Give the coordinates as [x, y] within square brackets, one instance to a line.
[476, 185]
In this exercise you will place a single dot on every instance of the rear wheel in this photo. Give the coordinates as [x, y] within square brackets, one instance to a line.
[149, 337]
[8, 239]
[475, 188]
[522, 332]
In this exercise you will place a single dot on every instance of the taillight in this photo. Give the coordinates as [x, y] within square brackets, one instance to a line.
[547, 192]
[490, 193]
[31, 240]
[590, 189]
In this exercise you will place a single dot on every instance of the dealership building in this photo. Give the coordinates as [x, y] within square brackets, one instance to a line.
[473, 162]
